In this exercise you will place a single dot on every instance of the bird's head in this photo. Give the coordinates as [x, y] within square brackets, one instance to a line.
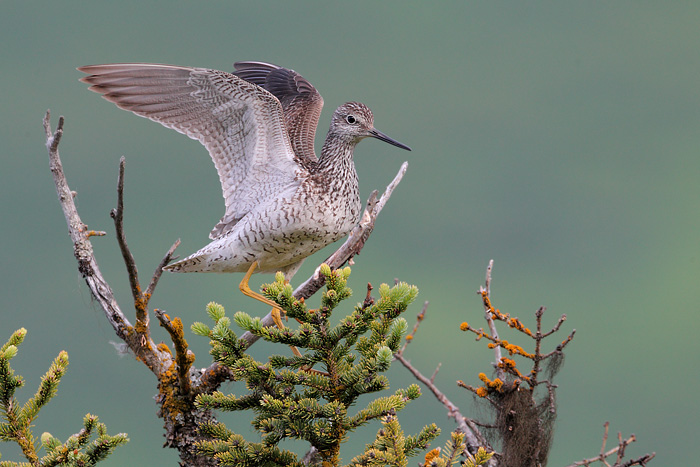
[354, 121]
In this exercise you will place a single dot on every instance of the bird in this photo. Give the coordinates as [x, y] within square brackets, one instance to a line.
[258, 123]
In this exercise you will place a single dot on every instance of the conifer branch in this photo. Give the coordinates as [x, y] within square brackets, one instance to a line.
[18, 421]
[312, 406]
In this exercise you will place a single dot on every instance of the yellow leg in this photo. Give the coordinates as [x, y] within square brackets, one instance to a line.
[245, 288]
[276, 317]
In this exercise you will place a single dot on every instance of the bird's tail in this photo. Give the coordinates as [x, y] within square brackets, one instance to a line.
[193, 263]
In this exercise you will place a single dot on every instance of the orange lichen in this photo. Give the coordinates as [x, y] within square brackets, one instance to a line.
[164, 348]
[509, 365]
[516, 349]
[464, 326]
[177, 326]
[496, 384]
[168, 388]
[409, 338]
[506, 363]
[141, 327]
[430, 456]
[515, 323]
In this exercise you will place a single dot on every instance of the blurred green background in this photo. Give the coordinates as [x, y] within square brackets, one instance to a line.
[558, 138]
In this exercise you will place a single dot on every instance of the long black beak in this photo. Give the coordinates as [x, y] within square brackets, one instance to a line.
[381, 136]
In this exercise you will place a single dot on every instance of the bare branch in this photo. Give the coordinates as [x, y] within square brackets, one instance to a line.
[145, 349]
[619, 450]
[467, 426]
[489, 319]
[118, 215]
[556, 327]
[183, 356]
[159, 269]
[434, 375]
[419, 319]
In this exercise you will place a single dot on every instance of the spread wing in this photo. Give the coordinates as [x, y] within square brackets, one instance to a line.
[301, 102]
[241, 125]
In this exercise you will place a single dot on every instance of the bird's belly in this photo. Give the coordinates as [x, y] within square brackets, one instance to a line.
[277, 241]
[280, 234]
[296, 242]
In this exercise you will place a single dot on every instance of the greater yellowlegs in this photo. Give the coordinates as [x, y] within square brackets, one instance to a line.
[258, 124]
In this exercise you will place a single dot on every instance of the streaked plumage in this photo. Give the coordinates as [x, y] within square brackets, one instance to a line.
[258, 124]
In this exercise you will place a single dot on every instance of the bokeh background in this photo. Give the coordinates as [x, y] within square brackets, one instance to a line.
[560, 139]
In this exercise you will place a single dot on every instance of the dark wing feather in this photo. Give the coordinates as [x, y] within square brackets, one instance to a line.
[301, 102]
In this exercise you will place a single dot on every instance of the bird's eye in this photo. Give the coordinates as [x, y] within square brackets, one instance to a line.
[350, 119]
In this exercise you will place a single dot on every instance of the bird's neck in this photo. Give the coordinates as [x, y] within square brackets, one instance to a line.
[336, 155]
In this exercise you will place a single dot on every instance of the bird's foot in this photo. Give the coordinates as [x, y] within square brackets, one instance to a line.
[245, 288]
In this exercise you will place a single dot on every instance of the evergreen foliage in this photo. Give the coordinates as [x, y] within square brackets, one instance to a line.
[391, 447]
[77, 450]
[293, 401]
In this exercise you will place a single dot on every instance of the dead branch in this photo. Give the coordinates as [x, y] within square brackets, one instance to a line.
[489, 319]
[144, 349]
[181, 425]
[118, 215]
[473, 436]
[159, 269]
[619, 450]
[412, 335]
[183, 356]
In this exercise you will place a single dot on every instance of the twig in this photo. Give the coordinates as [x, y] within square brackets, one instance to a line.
[352, 247]
[156, 360]
[118, 215]
[619, 449]
[489, 319]
[467, 426]
[183, 356]
[419, 319]
[159, 269]
[434, 375]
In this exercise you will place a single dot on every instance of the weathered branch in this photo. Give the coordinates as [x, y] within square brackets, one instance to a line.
[144, 349]
[473, 436]
[489, 320]
[159, 269]
[619, 450]
[176, 396]
[118, 215]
